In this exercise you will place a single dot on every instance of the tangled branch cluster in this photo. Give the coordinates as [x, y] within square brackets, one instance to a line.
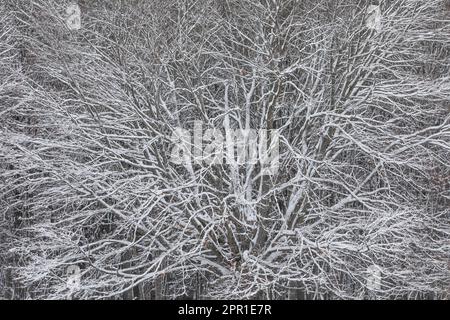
[86, 179]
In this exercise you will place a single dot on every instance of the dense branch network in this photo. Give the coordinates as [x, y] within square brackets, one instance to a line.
[364, 122]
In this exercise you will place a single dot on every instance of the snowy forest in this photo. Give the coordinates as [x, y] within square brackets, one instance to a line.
[93, 207]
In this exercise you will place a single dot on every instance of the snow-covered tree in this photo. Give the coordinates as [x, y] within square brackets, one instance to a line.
[358, 208]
